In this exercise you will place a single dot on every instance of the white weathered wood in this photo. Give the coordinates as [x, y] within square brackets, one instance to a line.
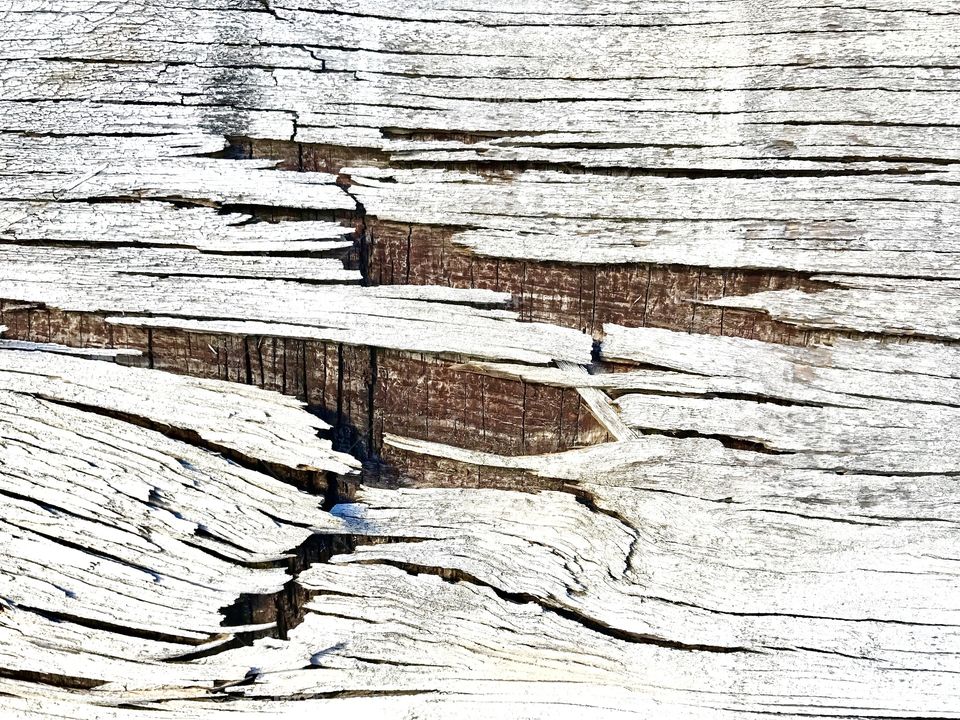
[43, 174]
[679, 577]
[873, 411]
[421, 627]
[848, 224]
[599, 404]
[410, 632]
[928, 311]
[46, 264]
[546, 701]
[484, 334]
[852, 373]
[704, 469]
[254, 423]
[822, 550]
[31, 643]
[110, 530]
[125, 531]
[162, 224]
[678, 553]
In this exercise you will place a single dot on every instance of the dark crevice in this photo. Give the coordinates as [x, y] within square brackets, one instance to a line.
[838, 619]
[728, 441]
[285, 608]
[142, 633]
[328, 695]
[482, 165]
[619, 392]
[825, 518]
[69, 682]
[109, 244]
[242, 276]
[842, 165]
[587, 498]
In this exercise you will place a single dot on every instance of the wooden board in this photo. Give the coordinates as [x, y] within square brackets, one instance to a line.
[121, 546]
[635, 322]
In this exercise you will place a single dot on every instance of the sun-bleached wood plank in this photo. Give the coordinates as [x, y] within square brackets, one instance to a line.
[659, 604]
[250, 182]
[599, 404]
[847, 225]
[45, 264]
[894, 307]
[874, 411]
[527, 594]
[122, 547]
[801, 103]
[33, 643]
[816, 541]
[483, 334]
[703, 468]
[368, 625]
[253, 423]
[119, 527]
[546, 701]
[846, 372]
[161, 224]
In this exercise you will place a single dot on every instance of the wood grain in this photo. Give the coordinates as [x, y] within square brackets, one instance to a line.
[479, 359]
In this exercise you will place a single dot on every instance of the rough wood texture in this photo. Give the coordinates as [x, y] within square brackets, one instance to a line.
[235, 419]
[121, 544]
[639, 314]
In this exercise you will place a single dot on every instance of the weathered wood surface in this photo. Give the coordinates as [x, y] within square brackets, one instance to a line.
[238, 420]
[649, 307]
[121, 543]
[722, 135]
[709, 581]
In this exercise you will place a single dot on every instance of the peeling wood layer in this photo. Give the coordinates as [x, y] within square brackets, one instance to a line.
[585, 295]
[235, 419]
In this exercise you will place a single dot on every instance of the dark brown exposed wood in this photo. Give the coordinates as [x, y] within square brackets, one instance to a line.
[587, 296]
[414, 395]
